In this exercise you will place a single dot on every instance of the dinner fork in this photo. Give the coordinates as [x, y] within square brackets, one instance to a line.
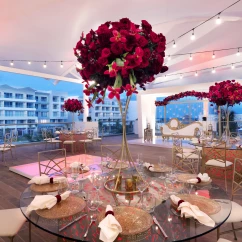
[92, 220]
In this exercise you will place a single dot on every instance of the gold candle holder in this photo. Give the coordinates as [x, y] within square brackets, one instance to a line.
[129, 188]
[118, 181]
[135, 179]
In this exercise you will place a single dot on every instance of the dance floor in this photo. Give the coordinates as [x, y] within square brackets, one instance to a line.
[158, 142]
[32, 169]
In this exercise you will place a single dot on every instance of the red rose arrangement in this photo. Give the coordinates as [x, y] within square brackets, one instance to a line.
[222, 93]
[73, 106]
[118, 56]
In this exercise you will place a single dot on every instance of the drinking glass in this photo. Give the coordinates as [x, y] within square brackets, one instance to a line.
[63, 186]
[92, 203]
[141, 186]
[149, 202]
[140, 162]
[74, 175]
[97, 182]
[162, 165]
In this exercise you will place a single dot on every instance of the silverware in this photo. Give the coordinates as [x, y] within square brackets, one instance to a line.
[83, 215]
[175, 212]
[28, 197]
[92, 220]
[161, 229]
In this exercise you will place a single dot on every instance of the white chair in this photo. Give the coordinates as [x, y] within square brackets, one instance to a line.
[236, 211]
[11, 221]
[95, 135]
[6, 147]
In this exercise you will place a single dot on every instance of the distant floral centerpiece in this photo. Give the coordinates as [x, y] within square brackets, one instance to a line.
[118, 56]
[73, 106]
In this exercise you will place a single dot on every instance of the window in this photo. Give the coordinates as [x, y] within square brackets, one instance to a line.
[30, 97]
[20, 121]
[8, 95]
[62, 99]
[19, 105]
[43, 114]
[19, 113]
[30, 105]
[31, 121]
[55, 106]
[8, 113]
[36, 106]
[43, 99]
[43, 106]
[55, 99]
[55, 114]
[31, 113]
[9, 121]
[19, 96]
[36, 98]
[62, 114]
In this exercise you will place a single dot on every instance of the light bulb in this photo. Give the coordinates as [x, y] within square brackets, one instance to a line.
[196, 74]
[181, 76]
[190, 58]
[29, 62]
[169, 57]
[174, 44]
[61, 65]
[193, 37]
[11, 63]
[213, 56]
[45, 65]
[238, 53]
[232, 66]
[218, 20]
[213, 71]
[78, 66]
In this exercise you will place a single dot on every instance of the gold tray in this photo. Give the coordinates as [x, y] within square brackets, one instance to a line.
[50, 187]
[185, 177]
[71, 206]
[132, 220]
[206, 205]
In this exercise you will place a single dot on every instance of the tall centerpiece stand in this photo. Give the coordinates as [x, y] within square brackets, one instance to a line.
[116, 58]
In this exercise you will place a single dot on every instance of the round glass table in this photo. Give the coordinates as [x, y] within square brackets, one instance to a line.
[177, 228]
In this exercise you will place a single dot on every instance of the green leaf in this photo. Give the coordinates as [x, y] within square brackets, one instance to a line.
[118, 81]
[119, 62]
[124, 55]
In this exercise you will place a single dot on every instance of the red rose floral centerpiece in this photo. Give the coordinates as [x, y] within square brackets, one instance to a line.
[118, 56]
[73, 106]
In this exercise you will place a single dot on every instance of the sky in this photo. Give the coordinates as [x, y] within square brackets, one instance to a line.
[39, 83]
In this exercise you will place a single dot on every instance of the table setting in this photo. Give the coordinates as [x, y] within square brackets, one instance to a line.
[148, 212]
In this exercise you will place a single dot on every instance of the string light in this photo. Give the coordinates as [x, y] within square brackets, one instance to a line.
[174, 44]
[238, 53]
[213, 56]
[29, 62]
[11, 63]
[190, 58]
[232, 66]
[196, 74]
[45, 65]
[169, 57]
[61, 65]
[181, 76]
[213, 71]
[218, 20]
[193, 37]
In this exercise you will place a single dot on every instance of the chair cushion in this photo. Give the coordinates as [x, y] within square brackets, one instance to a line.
[11, 222]
[69, 142]
[187, 150]
[85, 140]
[223, 240]
[188, 156]
[236, 213]
[97, 138]
[4, 149]
[218, 163]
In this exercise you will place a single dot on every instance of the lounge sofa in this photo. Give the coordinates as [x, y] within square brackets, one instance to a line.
[175, 128]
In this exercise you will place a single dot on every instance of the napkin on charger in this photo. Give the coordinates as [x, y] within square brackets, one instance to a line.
[110, 227]
[188, 210]
[149, 166]
[46, 201]
[77, 164]
[44, 179]
[203, 178]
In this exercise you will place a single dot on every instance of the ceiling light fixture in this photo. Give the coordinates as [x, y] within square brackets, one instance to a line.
[213, 71]
[11, 63]
[213, 56]
[196, 74]
[45, 65]
[218, 20]
[61, 65]
[29, 62]
[190, 58]
[232, 66]
[193, 37]
[174, 44]
[238, 53]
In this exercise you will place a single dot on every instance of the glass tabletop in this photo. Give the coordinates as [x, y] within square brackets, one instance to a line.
[177, 228]
[232, 146]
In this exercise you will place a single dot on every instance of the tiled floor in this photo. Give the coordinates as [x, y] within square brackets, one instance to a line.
[11, 184]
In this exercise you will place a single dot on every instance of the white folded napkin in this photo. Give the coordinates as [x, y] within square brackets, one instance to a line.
[77, 164]
[45, 201]
[149, 166]
[110, 227]
[204, 178]
[194, 140]
[188, 210]
[44, 179]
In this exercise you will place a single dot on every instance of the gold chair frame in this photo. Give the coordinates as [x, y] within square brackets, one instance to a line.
[69, 138]
[56, 159]
[7, 146]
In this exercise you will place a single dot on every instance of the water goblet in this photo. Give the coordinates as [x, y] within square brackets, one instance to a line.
[162, 165]
[63, 186]
[141, 186]
[92, 203]
[149, 202]
[74, 175]
[97, 182]
[140, 162]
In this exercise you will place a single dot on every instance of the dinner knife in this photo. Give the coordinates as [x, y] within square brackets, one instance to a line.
[161, 229]
[83, 215]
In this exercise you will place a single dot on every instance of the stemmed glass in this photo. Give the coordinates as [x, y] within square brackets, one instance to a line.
[93, 204]
[63, 186]
[97, 182]
[141, 186]
[162, 165]
[74, 175]
[140, 162]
